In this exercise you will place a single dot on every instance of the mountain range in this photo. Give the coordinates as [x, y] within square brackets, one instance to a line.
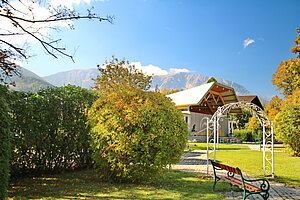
[84, 78]
[30, 81]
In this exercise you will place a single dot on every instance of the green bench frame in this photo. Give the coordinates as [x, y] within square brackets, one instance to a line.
[245, 184]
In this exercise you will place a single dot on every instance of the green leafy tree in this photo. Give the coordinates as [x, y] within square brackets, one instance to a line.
[136, 134]
[241, 119]
[166, 91]
[273, 108]
[287, 77]
[7, 67]
[5, 142]
[245, 134]
[296, 49]
[293, 99]
[116, 73]
[287, 127]
[211, 79]
[253, 125]
[174, 91]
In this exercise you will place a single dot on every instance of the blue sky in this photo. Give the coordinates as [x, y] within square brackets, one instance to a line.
[239, 40]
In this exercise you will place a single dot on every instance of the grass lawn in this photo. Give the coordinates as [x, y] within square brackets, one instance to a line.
[286, 167]
[86, 185]
[202, 146]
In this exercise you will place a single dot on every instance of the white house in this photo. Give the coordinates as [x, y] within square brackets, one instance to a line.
[202, 101]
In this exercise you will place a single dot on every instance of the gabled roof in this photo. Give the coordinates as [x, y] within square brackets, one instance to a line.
[251, 99]
[191, 96]
[205, 98]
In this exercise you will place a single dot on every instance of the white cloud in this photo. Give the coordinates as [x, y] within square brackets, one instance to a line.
[248, 41]
[149, 69]
[155, 70]
[68, 3]
[176, 70]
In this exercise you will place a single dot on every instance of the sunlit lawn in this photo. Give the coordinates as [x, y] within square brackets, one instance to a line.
[286, 167]
[202, 146]
[86, 185]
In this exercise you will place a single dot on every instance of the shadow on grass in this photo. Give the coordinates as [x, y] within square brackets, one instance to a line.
[192, 162]
[191, 186]
[86, 185]
[190, 153]
[286, 180]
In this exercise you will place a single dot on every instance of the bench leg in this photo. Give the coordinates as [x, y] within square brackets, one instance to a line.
[214, 186]
[244, 195]
[265, 196]
[213, 189]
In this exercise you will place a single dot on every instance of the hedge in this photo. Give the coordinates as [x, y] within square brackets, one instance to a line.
[5, 142]
[50, 131]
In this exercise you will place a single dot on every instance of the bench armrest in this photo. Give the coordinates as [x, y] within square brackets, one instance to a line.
[264, 184]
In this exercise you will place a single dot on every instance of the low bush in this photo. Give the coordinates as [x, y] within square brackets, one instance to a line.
[258, 134]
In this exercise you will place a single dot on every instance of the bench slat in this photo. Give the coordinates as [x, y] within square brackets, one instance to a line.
[248, 186]
[226, 167]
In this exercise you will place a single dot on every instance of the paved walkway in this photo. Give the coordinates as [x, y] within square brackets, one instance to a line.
[195, 161]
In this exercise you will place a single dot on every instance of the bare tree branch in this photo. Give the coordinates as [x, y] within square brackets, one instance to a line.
[108, 18]
[24, 24]
[17, 49]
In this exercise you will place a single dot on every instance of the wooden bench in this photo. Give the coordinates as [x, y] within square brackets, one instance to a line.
[250, 187]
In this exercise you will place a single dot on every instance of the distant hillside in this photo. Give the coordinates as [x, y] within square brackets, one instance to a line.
[80, 77]
[188, 80]
[29, 81]
[83, 78]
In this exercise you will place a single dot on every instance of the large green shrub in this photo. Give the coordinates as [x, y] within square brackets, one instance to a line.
[50, 131]
[245, 134]
[5, 148]
[287, 127]
[241, 119]
[136, 134]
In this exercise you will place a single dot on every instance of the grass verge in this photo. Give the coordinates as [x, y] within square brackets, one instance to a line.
[202, 146]
[86, 185]
[286, 167]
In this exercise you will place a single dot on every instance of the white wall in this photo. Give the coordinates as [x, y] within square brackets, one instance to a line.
[199, 120]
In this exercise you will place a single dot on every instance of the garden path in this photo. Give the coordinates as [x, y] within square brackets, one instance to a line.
[194, 161]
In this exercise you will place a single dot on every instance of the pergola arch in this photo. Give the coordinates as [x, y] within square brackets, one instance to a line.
[268, 136]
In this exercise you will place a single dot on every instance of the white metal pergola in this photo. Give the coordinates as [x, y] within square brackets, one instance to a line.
[268, 136]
